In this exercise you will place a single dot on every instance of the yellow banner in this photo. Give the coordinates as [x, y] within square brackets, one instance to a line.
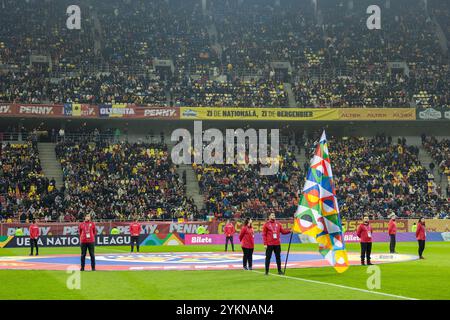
[377, 114]
[286, 114]
[117, 110]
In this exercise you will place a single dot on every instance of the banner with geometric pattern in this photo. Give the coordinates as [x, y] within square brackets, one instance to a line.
[318, 212]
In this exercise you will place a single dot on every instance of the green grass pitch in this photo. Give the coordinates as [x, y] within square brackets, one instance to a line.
[424, 279]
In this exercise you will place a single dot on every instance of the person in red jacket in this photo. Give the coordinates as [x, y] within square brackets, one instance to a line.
[87, 232]
[247, 243]
[135, 231]
[34, 237]
[364, 232]
[229, 232]
[421, 235]
[271, 238]
[392, 230]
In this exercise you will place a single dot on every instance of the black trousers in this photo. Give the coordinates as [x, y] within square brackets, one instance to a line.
[392, 244]
[366, 250]
[226, 243]
[421, 247]
[84, 248]
[34, 244]
[247, 260]
[277, 250]
[133, 240]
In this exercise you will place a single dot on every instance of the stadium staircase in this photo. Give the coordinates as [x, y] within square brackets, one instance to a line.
[51, 166]
[443, 41]
[290, 93]
[192, 187]
[425, 160]
[301, 157]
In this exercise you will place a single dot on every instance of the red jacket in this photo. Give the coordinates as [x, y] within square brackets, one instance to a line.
[229, 230]
[87, 232]
[392, 227]
[247, 237]
[34, 231]
[135, 229]
[271, 233]
[364, 232]
[421, 233]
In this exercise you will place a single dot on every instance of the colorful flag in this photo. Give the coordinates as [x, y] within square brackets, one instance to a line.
[76, 110]
[318, 213]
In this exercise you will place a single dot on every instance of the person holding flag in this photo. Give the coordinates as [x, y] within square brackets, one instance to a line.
[34, 237]
[87, 232]
[135, 231]
[317, 214]
[271, 238]
[364, 232]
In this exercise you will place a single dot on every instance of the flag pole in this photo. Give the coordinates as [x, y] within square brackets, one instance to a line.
[287, 255]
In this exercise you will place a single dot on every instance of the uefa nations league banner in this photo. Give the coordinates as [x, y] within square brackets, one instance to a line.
[63, 241]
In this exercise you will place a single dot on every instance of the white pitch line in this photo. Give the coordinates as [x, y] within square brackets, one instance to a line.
[339, 286]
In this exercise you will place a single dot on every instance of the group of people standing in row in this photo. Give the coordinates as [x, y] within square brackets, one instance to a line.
[271, 234]
[271, 238]
[364, 233]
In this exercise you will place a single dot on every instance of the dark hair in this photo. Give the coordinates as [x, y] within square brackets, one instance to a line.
[246, 222]
[34, 220]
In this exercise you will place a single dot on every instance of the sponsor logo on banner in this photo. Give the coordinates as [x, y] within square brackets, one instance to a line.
[5, 109]
[377, 225]
[71, 228]
[447, 115]
[36, 110]
[446, 236]
[237, 113]
[430, 114]
[377, 114]
[68, 241]
[149, 112]
[117, 110]
[189, 113]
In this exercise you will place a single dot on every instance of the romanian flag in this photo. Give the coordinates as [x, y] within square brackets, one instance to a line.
[318, 213]
[76, 110]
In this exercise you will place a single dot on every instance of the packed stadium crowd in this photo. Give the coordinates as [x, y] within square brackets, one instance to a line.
[105, 179]
[379, 177]
[112, 179]
[440, 151]
[239, 190]
[336, 61]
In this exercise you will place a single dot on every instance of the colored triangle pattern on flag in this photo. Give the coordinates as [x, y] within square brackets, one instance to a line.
[318, 212]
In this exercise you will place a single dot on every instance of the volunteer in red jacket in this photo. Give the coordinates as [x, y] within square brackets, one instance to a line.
[135, 231]
[364, 232]
[87, 232]
[392, 230]
[247, 243]
[271, 237]
[421, 235]
[34, 237]
[229, 233]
